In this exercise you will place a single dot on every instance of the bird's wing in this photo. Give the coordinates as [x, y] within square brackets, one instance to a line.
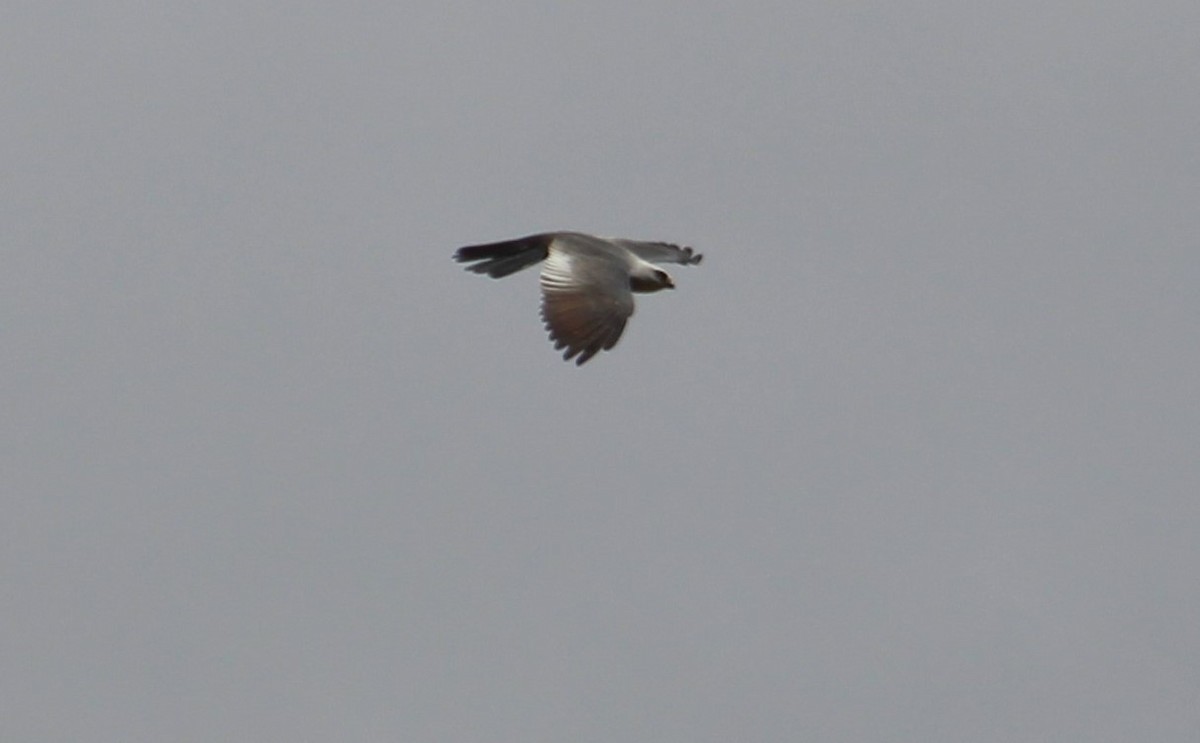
[660, 252]
[586, 300]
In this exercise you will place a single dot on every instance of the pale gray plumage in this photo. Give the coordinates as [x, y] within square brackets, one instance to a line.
[587, 282]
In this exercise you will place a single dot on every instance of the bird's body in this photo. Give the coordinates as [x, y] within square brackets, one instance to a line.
[587, 282]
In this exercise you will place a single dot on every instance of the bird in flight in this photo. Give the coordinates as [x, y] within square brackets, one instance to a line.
[587, 282]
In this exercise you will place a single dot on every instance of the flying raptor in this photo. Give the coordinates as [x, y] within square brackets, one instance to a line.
[587, 282]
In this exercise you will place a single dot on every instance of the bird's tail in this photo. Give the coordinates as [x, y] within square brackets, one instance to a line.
[502, 258]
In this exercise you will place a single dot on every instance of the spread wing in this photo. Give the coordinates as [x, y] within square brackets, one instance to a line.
[660, 252]
[586, 300]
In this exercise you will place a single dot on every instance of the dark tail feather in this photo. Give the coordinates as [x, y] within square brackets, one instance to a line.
[503, 258]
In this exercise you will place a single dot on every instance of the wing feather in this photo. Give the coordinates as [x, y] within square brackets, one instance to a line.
[586, 301]
[658, 252]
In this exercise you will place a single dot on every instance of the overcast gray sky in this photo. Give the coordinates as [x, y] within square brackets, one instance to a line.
[912, 456]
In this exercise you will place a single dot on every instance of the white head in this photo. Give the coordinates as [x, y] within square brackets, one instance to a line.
[646, 277]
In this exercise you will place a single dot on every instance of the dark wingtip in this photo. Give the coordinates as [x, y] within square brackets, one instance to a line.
[690, 256]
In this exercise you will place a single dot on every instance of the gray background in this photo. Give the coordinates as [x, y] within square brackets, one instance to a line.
[911, 457]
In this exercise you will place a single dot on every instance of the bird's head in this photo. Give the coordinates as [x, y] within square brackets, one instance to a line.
[651, 281]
